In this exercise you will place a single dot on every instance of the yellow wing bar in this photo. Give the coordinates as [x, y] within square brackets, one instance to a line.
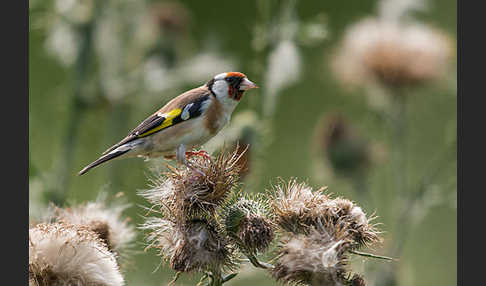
[168, 121]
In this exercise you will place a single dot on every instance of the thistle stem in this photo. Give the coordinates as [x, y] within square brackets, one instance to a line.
[372, 255]
[215, 279]
[229, 277]
[253, 260]
[178, 273]
[251, 257]
[399, 126]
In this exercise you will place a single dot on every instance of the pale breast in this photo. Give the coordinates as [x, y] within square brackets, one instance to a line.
[191, 133]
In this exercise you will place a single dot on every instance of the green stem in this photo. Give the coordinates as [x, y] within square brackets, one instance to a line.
[177, 275]
[399, 141]
[398, 120]
[215, 278]
[229, 277]
[251, 257]
[221, 280]
[407, 199]
[253, 260]
[372, 255]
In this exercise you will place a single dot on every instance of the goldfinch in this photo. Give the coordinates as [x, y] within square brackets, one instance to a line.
[185, 122]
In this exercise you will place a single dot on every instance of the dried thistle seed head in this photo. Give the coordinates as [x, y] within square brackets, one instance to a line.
[392, 53]
[318, 258]
[292, 205]
[256, 233]
[342, 213]
[341, 145]
[105, 220]
[297, 207]
[246, 220]
[162, 234]
[161, 195]
[193, 246]
[66, 254]
[202, 248]
[194, 193]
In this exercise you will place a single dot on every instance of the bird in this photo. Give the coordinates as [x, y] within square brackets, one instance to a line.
[184, 123]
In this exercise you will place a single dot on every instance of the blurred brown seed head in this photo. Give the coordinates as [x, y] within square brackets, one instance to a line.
[395, 54]
[318, 258]
[66, 254]
[170, 17]
[341, 145]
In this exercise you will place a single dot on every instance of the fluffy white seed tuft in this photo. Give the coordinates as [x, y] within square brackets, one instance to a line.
[64, 254]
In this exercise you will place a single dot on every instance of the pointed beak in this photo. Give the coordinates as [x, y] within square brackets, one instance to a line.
[247, 84]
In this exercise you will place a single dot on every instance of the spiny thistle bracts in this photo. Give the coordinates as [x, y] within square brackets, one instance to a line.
[66, 254]
[247, 221]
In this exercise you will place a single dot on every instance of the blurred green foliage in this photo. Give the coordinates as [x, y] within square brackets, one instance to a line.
[228, 27]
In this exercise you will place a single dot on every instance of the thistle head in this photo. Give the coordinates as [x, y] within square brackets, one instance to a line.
[293, 204]
[341, 145]
[247, 221]
[344, 214]
[298, 207]
[67, 254]
[196, 245]
[187, 193]
[318, 258]
[105, 220]
[391, 53]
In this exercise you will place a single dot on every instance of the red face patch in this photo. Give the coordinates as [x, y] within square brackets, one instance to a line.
[235, 74]
[235, 94]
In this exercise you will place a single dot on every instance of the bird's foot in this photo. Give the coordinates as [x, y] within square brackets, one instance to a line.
[182, 155]
[201, 153]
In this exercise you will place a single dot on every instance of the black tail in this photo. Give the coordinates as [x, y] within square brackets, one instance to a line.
[101, 160]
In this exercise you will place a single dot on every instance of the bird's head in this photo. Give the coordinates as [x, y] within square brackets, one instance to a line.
[230, 85]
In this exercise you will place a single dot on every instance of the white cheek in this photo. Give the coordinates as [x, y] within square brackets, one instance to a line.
[220, 88]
